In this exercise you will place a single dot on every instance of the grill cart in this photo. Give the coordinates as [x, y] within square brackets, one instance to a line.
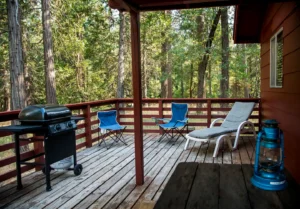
[57, 126]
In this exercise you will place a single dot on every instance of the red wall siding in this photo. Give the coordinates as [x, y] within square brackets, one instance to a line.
[283, 104]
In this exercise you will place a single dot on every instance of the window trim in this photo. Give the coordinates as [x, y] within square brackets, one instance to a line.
[275, 63]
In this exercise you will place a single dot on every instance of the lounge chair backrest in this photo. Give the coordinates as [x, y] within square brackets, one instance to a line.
[179, 111]
[107, 118]
[239, 112]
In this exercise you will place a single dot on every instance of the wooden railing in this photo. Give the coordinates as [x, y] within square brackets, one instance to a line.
[201, 113]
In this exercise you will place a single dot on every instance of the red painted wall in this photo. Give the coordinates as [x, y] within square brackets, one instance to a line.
[283, 104]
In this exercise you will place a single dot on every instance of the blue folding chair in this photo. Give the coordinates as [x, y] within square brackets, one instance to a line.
[176, 125]
[109, 126]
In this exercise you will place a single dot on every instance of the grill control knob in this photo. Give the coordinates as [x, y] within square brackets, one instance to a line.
[57, 127]
[70, 124]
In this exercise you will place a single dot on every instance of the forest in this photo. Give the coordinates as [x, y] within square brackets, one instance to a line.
[184, 53]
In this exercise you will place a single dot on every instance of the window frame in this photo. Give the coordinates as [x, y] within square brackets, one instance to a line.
[274, 37]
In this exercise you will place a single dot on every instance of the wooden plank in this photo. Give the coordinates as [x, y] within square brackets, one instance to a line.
[205, 190]
[227, 157]
[259, 199]
[39, 194]
[210, 151]
[249, 148]
[37, 187]
[182, 178]
[132, 198]
[243, 153]
[233, 192]
[182, 158]
[219, 158]
[101, 194]
[91, 190]
[34, 177]
[118, 194]
[236, 158]
[290, 196]
[193, 152]
[202, 153]
[159, 179]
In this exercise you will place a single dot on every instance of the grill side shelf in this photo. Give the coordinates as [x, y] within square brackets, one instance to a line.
[23, 129]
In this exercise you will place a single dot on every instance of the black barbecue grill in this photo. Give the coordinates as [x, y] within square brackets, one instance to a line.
[57, 125]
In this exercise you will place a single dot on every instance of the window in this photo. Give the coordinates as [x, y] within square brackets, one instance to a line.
[276, 62]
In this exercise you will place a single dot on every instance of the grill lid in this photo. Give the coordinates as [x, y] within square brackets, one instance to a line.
[44, 113]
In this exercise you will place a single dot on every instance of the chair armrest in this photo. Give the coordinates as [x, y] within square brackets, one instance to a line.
[215, 121]
[160, 119]
[183, 121]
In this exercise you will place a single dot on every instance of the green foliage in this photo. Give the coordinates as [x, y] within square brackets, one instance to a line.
[86, 38]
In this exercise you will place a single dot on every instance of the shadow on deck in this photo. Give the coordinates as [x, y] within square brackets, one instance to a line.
[108, 177]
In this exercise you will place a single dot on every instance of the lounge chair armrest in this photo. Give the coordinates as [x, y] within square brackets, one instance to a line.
[215, 121]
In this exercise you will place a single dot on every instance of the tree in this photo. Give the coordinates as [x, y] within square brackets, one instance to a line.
[48, 54]
[203, 64]
[224, 81]
[15, 56]
[166, 70]
[121, 64]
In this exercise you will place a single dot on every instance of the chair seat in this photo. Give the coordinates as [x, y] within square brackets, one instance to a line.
[114, 127]
[211, 132]
[172, 125]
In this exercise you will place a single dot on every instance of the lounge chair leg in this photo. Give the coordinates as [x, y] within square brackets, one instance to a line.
[220, 138]
[187, 143]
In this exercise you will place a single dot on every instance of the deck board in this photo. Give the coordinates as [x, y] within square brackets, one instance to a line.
[219, 186]
[108, 177]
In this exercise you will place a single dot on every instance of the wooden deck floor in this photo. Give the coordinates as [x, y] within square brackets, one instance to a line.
[108, 177]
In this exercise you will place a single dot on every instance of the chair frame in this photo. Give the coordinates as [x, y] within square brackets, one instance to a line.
[170, 131]
[115, 135]
[244, 127]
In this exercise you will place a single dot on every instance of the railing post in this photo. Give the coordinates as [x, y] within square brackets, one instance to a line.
[259, 114]
[208, 113]
[88, 126]
[160, 112]
[117, 106]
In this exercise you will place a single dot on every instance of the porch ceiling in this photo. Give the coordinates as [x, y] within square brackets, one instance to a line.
[248, 21]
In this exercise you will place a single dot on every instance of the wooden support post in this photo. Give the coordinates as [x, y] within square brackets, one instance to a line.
[137, 95]
[88, 127]
[160, 113]
[259, 115]
[208, 113]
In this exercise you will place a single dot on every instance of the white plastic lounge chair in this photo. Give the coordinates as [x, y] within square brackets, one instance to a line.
[235, 123]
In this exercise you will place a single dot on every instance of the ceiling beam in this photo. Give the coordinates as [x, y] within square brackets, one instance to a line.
[122, 5]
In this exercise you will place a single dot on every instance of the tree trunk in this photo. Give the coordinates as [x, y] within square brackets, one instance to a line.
[144, 64]
[166, 69]
[166, 83]
[224, 82]
[121, 68]
[15, 56]
[16, 60]
[203, 64]
[191, 80]
[209, 80]
[48, 54]
[27, 74]
[246, 87]
[7, 101]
